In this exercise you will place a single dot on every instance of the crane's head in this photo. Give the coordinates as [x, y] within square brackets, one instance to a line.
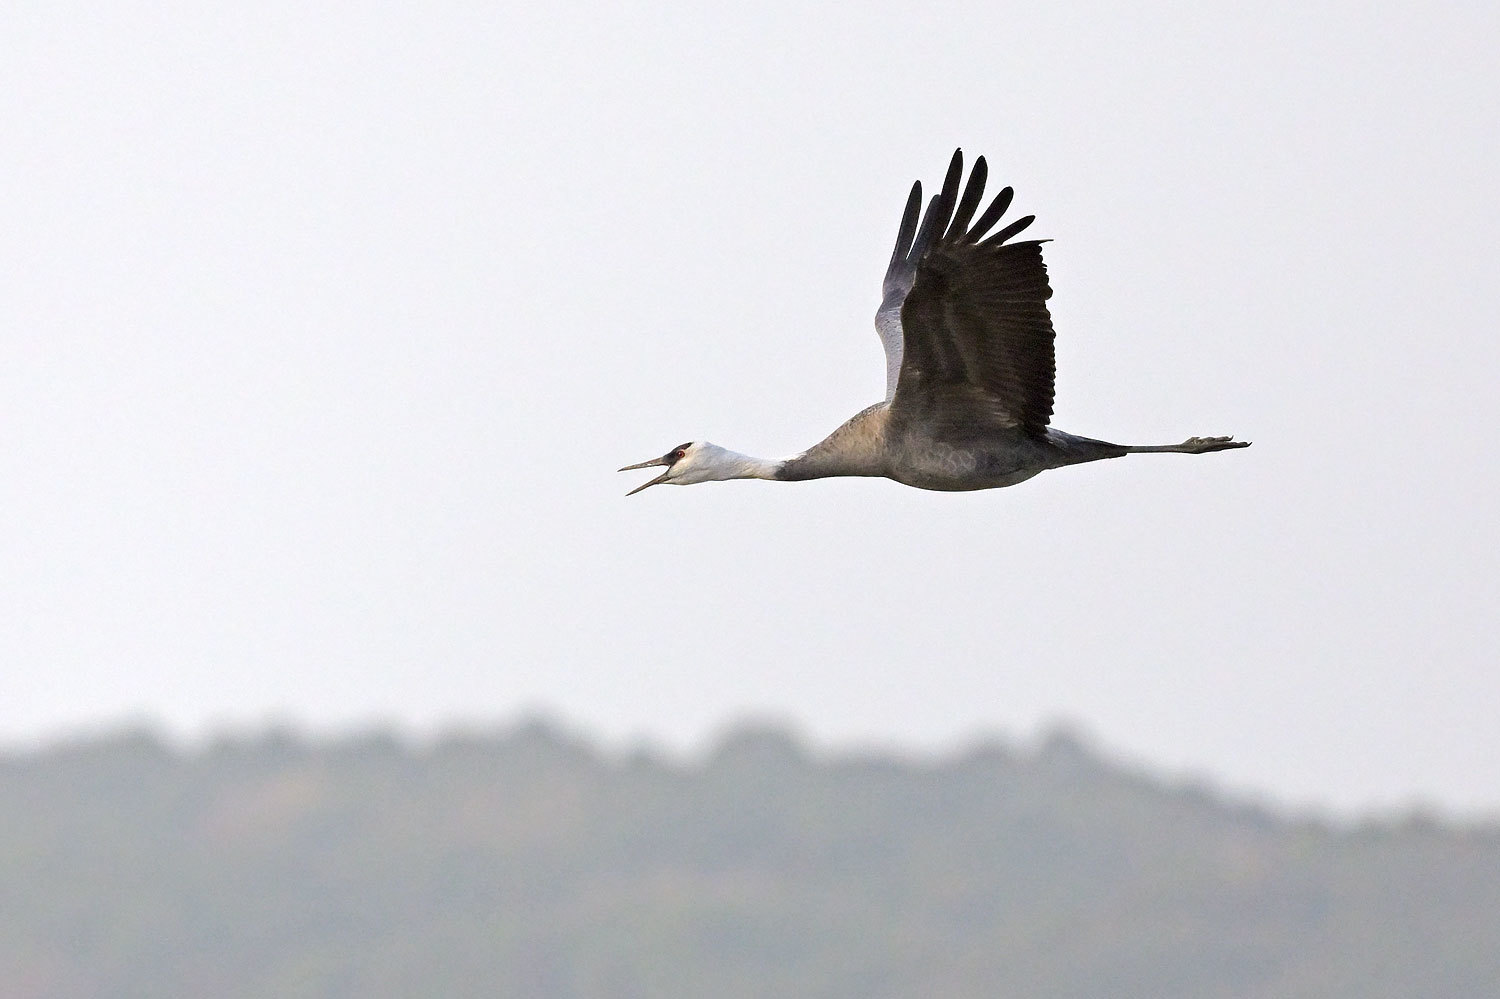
[698, 461]
[680, 463]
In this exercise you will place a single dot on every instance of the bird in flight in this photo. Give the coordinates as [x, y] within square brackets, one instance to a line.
[969, 366]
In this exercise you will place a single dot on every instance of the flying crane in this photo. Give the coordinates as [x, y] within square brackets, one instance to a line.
[969, 366]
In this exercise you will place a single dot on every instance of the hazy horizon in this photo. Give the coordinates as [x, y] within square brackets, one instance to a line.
[701, 749]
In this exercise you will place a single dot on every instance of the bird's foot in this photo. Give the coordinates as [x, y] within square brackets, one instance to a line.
[1202, 445]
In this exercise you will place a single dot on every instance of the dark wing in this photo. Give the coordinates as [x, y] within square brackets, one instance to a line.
[976, 337]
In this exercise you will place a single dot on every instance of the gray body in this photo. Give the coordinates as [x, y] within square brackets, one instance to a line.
[872, 444]
[969, 366]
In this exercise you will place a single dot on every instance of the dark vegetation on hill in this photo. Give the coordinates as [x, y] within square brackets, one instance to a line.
[528, 864]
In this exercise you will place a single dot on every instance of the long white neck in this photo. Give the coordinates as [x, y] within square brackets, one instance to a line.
[727, 464]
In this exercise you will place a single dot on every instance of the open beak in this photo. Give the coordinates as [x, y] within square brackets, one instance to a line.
[665, 459]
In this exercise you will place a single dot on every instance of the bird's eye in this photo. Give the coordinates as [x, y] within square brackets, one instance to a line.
[679, 454]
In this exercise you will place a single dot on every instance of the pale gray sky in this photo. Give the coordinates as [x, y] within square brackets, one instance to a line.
[322, 332]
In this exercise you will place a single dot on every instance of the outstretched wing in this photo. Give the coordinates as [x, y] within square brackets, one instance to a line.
[966, 314]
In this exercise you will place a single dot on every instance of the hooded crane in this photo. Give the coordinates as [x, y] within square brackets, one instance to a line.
[969, 366]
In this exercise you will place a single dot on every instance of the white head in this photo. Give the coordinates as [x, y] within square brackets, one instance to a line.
[700, 461]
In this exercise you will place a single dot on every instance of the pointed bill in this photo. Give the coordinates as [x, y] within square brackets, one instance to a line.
[665, 459]
[647, 464]
[656, 481]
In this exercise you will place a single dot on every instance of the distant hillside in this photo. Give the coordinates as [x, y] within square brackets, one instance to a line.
[529, 865]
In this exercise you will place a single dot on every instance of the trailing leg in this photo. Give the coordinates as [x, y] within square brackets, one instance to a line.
[1193, 445]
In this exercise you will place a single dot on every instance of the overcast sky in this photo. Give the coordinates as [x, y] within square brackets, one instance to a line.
[323, 329]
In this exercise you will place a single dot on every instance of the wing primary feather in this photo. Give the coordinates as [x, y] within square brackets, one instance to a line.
[929, 225]
[939, 209]
[1009, 231]
[949, 195]
[973, 192]
[909, 217]
[991, 215]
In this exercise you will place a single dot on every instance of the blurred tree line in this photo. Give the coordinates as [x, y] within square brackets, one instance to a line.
[527, 863]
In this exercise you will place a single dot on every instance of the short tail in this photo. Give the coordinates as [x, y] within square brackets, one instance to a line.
[1193, 445]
